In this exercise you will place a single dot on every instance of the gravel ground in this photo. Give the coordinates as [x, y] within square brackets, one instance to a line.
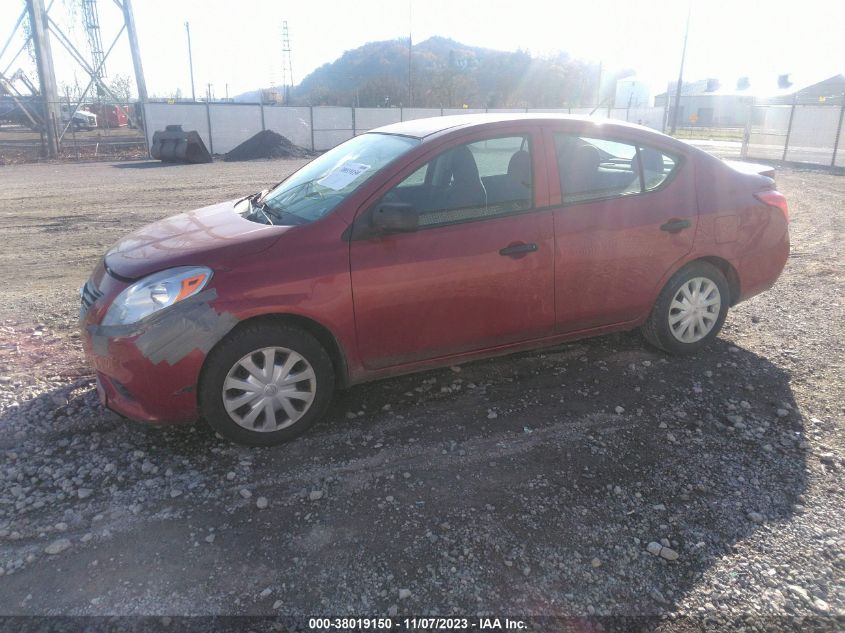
[599, 477]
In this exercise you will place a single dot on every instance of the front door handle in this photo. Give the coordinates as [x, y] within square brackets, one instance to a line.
[674, 226]
[515, 250]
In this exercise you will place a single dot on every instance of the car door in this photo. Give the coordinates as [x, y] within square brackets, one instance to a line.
[478, 271]
[626, 213]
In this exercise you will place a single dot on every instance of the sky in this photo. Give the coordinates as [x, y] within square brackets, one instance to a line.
[237, 43]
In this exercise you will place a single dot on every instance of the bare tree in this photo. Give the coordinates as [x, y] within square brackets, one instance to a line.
[121, 86]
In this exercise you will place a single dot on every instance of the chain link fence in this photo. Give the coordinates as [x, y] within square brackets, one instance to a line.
[103, 130]
[802, 133]
[796, 133]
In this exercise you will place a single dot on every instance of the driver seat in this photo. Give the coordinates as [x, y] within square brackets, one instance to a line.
[466, 189]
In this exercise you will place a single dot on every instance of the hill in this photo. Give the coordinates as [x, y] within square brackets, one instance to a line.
[446, 73]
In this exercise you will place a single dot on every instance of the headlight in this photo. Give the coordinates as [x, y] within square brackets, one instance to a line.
[155, 293]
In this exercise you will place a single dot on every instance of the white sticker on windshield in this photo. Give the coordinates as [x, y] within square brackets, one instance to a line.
[343, 175]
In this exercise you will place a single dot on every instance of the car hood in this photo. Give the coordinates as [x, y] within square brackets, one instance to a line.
[205, 236]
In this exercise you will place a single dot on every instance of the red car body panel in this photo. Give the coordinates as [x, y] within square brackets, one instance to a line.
[447, 290]
[611, 253]
[214, 232]
[409, 301]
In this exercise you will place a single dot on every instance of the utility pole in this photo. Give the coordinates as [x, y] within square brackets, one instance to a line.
[598, 88]
[680, 77]
[410, 45]
[46, 73]
[287, 64]
[129, 20]
[191, 61]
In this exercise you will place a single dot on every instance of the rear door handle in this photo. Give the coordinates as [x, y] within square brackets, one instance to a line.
[517, 249]
[673, 226]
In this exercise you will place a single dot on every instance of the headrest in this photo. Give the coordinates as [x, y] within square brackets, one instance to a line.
[587, 157]
[652, 160]
[519, 167]
[463, 164]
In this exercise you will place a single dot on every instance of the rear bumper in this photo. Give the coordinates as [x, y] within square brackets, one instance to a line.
[760, 269]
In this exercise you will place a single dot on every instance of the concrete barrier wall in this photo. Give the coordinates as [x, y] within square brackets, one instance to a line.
[232, 126]
[449, 111]
[332, 126]
[191, 116]
[292, 122]
[409, 114]
[223, 126]
[371, 118]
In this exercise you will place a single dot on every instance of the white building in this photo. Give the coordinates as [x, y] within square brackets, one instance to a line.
[632, 93]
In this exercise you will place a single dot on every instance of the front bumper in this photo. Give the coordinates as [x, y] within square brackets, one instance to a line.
[149, 371]
[131, 385]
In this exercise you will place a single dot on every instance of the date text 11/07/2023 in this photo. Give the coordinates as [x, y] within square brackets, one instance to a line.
[432, 623]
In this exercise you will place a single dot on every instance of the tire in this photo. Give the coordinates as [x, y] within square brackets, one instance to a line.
[241, 359]
[664, 327]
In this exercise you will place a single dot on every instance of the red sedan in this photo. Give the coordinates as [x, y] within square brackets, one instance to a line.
[422, 244]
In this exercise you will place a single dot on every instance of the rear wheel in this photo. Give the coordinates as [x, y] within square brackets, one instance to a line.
[266, 384]
[690, 310]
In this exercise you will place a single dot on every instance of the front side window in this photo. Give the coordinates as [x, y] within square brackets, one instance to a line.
[482, 179]
[325, 182]
[594, 168]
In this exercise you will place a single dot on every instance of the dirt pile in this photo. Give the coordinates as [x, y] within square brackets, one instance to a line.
[267, 144]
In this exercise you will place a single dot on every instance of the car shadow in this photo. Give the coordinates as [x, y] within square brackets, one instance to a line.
[532, 483]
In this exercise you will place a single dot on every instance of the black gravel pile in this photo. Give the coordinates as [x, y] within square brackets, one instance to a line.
[267, 144]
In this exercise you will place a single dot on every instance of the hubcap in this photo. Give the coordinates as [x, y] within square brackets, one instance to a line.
[694, 310]
[269, 389]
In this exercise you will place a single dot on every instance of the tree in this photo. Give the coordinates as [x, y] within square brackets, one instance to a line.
[121, 86]
[382, 91]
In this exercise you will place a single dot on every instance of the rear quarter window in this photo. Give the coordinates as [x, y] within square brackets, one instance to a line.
[601, 168]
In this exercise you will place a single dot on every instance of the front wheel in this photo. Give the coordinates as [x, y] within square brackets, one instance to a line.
[265, 384]
[690, 310]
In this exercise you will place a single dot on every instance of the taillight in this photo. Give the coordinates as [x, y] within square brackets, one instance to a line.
[774, 199]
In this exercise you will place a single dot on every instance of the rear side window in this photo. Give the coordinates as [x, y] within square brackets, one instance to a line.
[470, 182]
[596, 169]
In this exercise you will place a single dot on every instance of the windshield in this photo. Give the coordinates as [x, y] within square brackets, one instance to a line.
[325, 182]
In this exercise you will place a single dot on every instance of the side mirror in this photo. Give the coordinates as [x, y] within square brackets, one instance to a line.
[395, 217]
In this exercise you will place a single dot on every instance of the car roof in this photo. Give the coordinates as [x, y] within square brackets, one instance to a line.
[422, 128]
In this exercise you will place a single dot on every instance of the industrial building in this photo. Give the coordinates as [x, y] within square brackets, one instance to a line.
[711, 103]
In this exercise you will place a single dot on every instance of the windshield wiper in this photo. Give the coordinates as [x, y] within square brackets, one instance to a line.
[256, 205]
[281, 212]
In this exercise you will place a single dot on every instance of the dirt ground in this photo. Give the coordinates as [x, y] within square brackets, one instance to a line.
[531, 484]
